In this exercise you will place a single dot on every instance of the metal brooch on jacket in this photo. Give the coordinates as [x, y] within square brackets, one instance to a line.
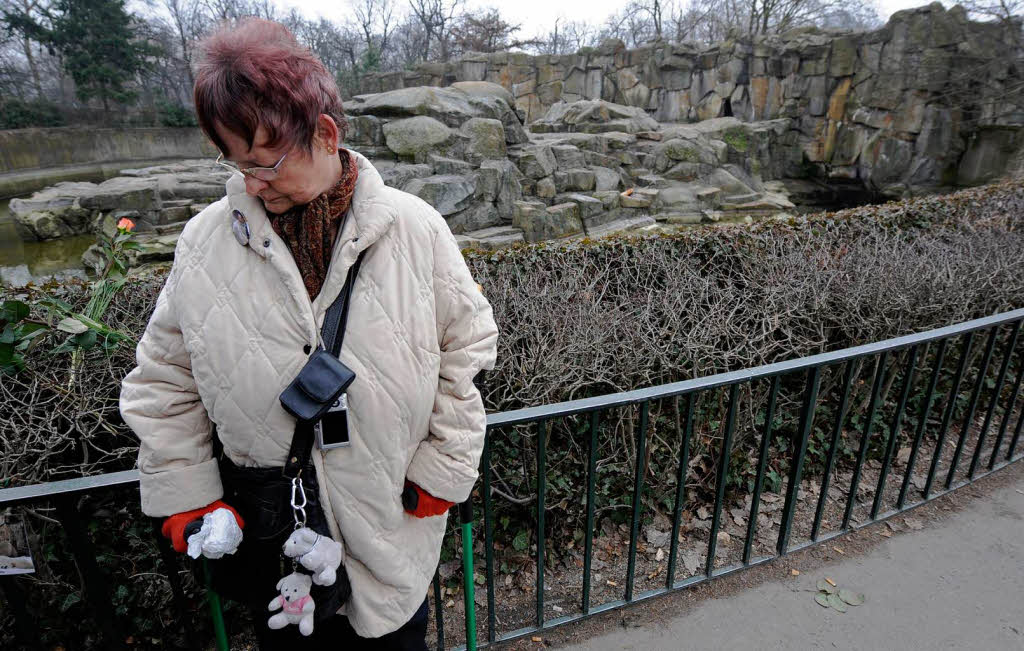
[240, 227]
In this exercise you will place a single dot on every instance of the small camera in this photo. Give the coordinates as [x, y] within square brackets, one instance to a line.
[332, 429]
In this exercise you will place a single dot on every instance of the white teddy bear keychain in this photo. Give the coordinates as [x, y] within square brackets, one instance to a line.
[319, 554]
[294, 602]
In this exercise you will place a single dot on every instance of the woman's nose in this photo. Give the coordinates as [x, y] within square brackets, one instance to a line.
[253, 185]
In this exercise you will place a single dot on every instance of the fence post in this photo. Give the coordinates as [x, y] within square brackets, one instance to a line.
[862, 454]
[762, 465]
[1010, 345]
[806, 423]
[837, 429]
[96, 588]
[466, 516]
[723, 468]
[638, 492]
[894, 432]
[922, 422]
[684, 465]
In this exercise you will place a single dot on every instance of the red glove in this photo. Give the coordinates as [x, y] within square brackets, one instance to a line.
[174, 526]
[422, 504]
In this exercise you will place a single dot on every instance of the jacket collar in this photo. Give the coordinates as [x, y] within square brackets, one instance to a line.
[368, 219]
[370, 215]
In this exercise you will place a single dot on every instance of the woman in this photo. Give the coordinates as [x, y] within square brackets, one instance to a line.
[241, 311]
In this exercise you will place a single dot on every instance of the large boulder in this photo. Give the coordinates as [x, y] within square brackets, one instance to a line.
[540, 222]
[594, 116]
[448, 194]
[416, 137]
[397, 175]
[537, 161]
[446, 105]
[124, 193]
[452, 106]
[486, 139]
[486, 90]
[52, 213]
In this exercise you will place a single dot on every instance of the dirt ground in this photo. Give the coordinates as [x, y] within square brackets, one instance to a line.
[655, 612]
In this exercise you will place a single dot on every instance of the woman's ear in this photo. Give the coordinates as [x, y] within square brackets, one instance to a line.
[327, 133]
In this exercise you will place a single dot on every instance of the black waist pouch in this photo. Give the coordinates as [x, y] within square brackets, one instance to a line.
[262, 497]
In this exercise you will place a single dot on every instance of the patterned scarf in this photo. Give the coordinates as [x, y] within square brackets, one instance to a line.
[310, 230]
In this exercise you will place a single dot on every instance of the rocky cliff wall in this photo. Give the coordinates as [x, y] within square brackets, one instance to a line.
[929, 100]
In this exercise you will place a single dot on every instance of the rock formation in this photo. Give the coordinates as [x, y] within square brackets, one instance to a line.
[930, 100]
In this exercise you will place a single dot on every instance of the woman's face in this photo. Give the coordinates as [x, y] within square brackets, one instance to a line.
[300, 178]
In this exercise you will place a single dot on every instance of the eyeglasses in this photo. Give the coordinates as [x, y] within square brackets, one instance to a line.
[261, 173]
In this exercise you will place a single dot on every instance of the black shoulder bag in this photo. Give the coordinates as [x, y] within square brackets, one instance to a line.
[266, 497]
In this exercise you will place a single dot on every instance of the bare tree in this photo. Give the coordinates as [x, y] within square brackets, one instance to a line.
[31, 12]
[487, 31]
[437, 17]
[189, 22]
[376, 20]
[1003, 10]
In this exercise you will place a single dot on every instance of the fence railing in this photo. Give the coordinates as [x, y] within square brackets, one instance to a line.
[736, 468]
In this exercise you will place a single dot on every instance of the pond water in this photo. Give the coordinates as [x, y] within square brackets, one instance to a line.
[21, 262]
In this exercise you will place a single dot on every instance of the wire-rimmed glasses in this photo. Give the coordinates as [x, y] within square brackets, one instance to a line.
[261, 173]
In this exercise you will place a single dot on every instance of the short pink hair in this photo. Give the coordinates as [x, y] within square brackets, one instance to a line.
[256, 73]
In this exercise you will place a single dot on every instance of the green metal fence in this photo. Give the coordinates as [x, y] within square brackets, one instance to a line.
[838, 424]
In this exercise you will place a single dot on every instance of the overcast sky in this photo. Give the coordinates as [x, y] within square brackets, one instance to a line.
[538, 16]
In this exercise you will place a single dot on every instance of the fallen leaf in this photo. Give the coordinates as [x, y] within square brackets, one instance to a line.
[825, 587]
[724, 538]
[851, 597]
[739, 516]
[822, 599]
[660, 556]
[836, 603]
[451, 603]
[885, 534]
[839, 551]
[914, 523]
[830, 582]
[795, 572]
[703, 513]
[73, 326]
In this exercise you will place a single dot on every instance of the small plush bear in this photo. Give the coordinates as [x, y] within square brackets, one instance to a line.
[294, 602]
[321, 555]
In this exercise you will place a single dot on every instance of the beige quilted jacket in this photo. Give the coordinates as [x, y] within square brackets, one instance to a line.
[227, 336]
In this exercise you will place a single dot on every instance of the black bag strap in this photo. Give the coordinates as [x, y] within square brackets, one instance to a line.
[333, 333]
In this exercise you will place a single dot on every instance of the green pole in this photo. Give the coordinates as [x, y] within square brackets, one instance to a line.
[216, 613]
[466, 515]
